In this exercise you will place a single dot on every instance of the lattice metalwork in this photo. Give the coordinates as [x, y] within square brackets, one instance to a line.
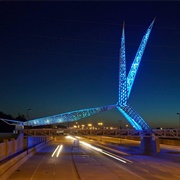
[134, 68]
[68, 117]
[125, 84]
[122, 73]
[134, 119]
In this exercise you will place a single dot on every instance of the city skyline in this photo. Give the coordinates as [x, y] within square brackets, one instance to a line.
[60, 57]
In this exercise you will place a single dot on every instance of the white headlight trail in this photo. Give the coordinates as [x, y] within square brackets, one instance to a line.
[59, 150]
[55, 151]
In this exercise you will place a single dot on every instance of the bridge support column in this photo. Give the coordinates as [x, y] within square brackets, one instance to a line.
[149, 145]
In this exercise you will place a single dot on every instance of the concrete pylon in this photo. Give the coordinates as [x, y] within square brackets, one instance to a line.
[149, 145]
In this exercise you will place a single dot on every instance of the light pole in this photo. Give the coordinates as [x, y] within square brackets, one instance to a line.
[28, 114]
[179, 120]
[90, 125]
[100, 124]
[120, 121]
[27, 128]
[120, 128]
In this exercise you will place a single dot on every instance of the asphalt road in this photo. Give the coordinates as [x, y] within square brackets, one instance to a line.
[77, 160]
[45, 167]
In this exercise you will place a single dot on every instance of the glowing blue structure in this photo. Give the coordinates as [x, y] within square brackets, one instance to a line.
[137, 59]
[125, 86]
[126, 83]
[68, 117]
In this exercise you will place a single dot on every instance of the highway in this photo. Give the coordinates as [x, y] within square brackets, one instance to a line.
[69, 159]
[43, 166]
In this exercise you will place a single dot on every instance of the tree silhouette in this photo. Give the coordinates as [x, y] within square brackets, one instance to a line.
[20, 117]
[5, 116]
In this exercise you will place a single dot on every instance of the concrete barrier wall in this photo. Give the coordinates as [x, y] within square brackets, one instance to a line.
[13, 146]
[10, 148]
[7, 168]
[2, 151]
[7, 136]
[19, 143]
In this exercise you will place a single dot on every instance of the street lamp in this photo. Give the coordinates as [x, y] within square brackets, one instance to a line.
[90, 126]
[179, 119]
[120, 121]
[27, 127]
[28, 114]
[100, 124]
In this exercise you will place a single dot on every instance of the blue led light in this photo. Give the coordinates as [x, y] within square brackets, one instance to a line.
[126, 83]
[134, 68]
[122, 73]
[68, 117]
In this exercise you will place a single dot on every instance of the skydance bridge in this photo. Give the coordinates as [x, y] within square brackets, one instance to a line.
[125, 86]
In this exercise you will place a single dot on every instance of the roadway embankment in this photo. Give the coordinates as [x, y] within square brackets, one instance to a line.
[8, 166]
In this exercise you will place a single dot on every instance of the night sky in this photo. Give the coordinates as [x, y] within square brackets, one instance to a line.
[57, 57]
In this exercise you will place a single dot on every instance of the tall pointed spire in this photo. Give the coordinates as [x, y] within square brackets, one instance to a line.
[122, 72]
[135, 65]
[125, 83]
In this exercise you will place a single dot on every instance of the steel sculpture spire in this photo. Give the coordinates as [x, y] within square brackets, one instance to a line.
[122, 73]
[137, 59]
[125, 83]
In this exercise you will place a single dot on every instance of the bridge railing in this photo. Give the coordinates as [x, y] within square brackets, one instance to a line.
[163, 133]
[170, 133]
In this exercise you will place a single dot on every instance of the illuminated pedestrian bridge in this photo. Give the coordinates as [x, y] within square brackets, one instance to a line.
[125, 86]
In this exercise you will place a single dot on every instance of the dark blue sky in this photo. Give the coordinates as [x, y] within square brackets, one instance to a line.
[57, 57]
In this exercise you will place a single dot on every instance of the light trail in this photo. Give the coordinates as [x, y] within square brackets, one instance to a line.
[55, 151]
[78, 137]
[123, 160]
[58, 150]
[92, 147]
[70, 137]
[116, 157]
